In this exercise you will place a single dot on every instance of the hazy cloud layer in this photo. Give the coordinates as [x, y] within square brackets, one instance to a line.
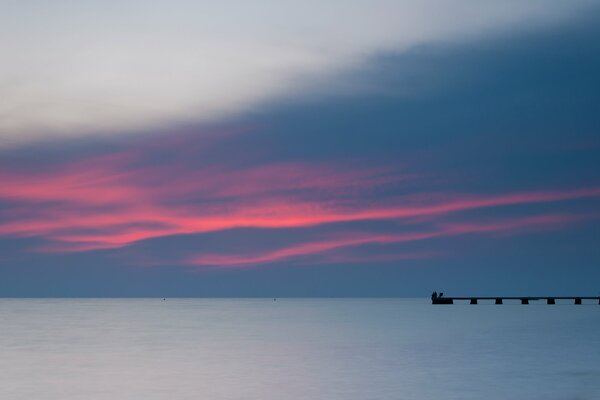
[84, 67]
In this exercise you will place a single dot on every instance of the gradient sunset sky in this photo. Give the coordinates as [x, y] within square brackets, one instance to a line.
[274, 148]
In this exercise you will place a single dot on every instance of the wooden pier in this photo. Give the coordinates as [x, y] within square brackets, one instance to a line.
[435, 299]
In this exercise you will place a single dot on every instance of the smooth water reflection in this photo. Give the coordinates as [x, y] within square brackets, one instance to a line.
[296, 349]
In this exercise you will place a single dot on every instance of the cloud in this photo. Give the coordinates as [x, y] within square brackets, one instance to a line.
[97, 67]
[326, 249]
[304, 249]
[118, 199]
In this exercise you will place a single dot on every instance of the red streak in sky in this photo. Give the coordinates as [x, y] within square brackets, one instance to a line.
[303, 249]
[110, 202]
[325, 245]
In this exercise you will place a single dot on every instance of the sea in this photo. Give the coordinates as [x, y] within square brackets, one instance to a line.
[296, 349]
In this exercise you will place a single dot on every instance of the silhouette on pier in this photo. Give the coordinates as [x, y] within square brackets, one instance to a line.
[441, 299]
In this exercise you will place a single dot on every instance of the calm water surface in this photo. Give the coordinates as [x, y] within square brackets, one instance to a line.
[296, 349]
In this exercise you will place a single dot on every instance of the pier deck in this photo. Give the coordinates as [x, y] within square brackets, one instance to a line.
[523, 299]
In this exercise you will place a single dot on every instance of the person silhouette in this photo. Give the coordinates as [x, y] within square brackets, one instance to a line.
[434, 295]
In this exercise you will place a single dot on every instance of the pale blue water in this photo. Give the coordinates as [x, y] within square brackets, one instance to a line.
[296, 349]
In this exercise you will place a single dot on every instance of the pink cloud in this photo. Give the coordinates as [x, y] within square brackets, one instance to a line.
[114, 200]
[325, 246]
[524, 224]
[304, 249]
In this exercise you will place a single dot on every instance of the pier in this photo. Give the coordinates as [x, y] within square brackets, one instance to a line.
[441, 299]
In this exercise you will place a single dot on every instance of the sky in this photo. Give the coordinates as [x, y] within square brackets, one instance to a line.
[284, 149]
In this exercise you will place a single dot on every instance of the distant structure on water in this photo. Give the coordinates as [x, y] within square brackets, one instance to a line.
[441, 299]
